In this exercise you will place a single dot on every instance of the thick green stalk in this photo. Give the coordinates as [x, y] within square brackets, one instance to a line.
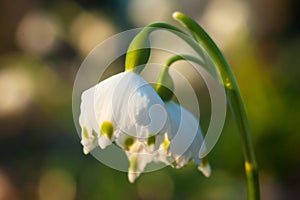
[234, 99]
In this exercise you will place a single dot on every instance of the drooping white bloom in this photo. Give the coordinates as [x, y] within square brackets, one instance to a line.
[122, 104]
[186, 137]
[126, 110]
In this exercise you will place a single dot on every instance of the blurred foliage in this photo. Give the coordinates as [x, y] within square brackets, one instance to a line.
[42, 46]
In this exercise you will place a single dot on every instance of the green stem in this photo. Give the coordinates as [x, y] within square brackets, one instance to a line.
[234, 99]
[138, 52]
[165, 84]
[175, 58]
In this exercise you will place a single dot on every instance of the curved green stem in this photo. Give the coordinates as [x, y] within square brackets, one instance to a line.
[234, 99]
[139, 50]
[175, 58]
[165, 84]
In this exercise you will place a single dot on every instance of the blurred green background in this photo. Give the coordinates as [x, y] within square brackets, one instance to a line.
[42, 46]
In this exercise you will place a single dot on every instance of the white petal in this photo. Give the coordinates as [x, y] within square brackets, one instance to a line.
[162, 156]
[205, 169]
[104, 94]
[138, 162]
[139, 158]
[182, 161]
[130, 104]
[125, 141]
[88, 143]
[87, 116]
[127, 102]
[85, 150]
[184, 128]
[186, 135]
[103, 141]
[87, 121]
[132, 176]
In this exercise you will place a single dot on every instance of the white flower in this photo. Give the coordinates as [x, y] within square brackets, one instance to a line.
[126, 110]
[186, 137]
[124, 104]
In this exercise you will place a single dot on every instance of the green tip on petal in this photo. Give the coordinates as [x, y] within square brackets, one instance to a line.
[94, 133]
[128, 142]
[151, 140]
[133, 167]
[166, 142]
[107, 128]
[85, 132]
[133, 164]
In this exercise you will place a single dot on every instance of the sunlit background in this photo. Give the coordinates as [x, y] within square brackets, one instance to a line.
[42, 46]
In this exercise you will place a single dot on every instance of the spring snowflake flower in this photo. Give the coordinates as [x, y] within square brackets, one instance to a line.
[124, 104]
[126, 110]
